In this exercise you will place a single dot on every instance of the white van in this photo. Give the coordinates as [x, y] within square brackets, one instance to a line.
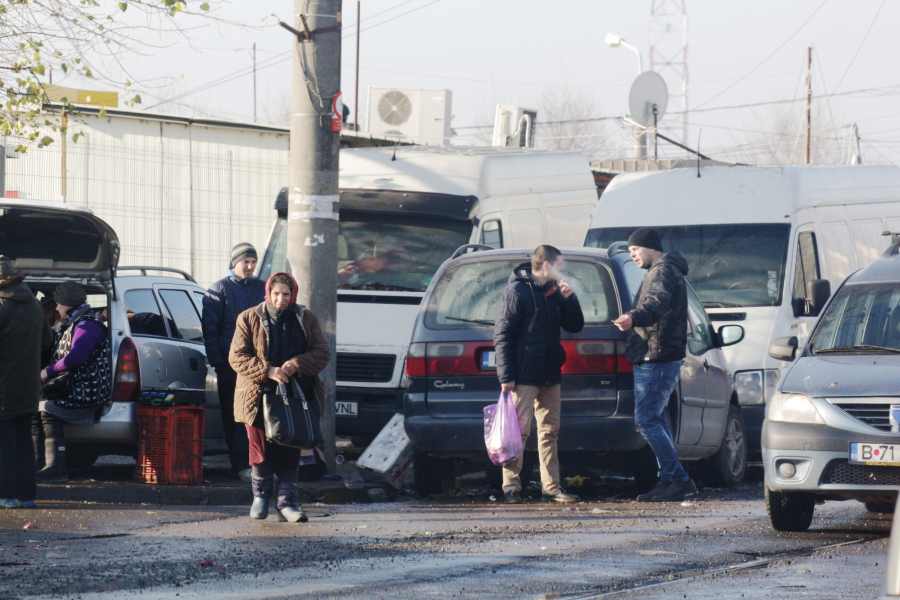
[403, 212]
[761, 243]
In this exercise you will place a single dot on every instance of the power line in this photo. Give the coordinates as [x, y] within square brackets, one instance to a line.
[861, 44]
[774, 52]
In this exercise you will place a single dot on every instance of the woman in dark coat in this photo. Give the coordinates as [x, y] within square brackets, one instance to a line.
[24, 334]
[84, 351]
[274, 342]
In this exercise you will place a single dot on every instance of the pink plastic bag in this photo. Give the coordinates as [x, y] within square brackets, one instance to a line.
[501, 430]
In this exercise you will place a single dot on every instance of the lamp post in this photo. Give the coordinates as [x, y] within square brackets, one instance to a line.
[613, 41]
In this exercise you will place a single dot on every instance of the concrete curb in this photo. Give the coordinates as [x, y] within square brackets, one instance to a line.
[198, 495]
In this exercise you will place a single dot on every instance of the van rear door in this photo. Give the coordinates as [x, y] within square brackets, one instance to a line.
[50, 239]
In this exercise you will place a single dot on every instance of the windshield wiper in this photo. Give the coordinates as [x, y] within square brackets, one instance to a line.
[857, 349]
[720, 305]
[479, 321]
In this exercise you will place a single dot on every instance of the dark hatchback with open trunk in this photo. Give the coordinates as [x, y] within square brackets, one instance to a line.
[451, 372]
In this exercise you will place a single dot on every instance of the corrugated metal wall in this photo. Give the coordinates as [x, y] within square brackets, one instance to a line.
[178, 195]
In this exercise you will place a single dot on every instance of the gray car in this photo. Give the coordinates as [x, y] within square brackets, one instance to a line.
[153, 318]
[832, 430]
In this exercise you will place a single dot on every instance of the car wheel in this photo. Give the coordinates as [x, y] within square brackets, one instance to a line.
[432, 475]
[880, 507]
[81, 456]
[727, 467]
[790, 511]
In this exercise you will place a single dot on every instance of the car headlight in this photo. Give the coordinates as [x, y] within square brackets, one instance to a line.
[756, 387]
[793, 408]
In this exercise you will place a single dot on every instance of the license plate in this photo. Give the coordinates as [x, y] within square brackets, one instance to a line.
[875, 454]
[351, 409]
[489, 360]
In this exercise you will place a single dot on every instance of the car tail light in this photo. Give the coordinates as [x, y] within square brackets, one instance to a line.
[595, 357]
[415, 360]
[127, 382]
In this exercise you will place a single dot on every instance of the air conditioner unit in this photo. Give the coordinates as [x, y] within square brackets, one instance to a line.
[420, 116]
[514, 127]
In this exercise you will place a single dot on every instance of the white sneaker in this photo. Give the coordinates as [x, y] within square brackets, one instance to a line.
[244, 474]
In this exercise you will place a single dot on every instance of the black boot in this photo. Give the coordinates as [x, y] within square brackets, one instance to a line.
[262, 491]
[55, 470]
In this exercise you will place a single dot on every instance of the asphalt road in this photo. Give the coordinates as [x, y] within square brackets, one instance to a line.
[466, 547]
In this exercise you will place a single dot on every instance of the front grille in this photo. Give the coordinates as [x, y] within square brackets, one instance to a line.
[840, 471]
[367, 368]
[875, 415]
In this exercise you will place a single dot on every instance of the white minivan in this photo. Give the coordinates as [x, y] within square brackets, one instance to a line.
[403, 212]
[765, 245]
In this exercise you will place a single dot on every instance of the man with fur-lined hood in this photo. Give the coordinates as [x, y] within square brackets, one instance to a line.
[24, 334]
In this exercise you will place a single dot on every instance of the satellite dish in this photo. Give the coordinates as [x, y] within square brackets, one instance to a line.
[648, 89]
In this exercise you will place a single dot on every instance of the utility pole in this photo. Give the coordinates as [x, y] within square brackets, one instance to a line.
[808, 104]
[254, 82]
[356, 93]
[313, 176]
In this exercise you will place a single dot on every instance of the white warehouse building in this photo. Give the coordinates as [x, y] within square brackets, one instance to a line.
[179, 191]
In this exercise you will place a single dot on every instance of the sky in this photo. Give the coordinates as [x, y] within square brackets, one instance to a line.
[524, 52]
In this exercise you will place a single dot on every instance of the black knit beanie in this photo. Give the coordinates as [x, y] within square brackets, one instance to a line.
[70, 294]
[242, 251]
[645, 237]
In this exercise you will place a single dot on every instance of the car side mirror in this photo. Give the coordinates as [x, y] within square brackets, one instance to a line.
[784, 348]
[729, 335]
[818, 291]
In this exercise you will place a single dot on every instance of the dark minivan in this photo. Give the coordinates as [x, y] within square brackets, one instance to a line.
[451, 372]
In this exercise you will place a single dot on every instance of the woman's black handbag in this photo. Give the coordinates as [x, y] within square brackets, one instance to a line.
[292, 422]
[58, 387]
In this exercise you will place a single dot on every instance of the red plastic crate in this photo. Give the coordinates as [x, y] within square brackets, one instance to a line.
[170, 445]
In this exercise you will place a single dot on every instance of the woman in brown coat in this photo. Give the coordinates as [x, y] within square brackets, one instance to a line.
[272, 343]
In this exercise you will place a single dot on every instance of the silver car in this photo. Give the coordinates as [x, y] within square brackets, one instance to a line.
[832, 430]
[153, 318]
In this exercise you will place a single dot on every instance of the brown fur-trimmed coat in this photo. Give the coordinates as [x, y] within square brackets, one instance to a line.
[249, 358]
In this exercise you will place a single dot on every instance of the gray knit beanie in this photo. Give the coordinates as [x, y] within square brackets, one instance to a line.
[6, 267]
[70, 294]
[242, 251]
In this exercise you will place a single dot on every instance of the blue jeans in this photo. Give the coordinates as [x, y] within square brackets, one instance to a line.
[653, 385]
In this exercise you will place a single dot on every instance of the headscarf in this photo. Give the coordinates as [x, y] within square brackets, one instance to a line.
[276, 312]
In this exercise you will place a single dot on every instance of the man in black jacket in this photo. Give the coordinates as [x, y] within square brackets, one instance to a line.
[656, 347]
[224, 301]
[530, 358]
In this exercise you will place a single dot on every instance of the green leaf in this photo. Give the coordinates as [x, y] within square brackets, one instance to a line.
[39, 70]
[137, 99]
[46, 141]
[102, 112]
[204, 6]
[123, 6]
[76, 136]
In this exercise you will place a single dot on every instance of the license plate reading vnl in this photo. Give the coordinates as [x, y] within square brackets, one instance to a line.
[346, 409]
[875, 454]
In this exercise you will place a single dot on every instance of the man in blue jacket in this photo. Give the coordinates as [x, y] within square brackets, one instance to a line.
[530, 359]
[224, 301]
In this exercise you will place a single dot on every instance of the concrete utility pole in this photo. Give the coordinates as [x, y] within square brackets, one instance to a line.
[808, 104]
[356, 92]
[313, 200]
[254, 82]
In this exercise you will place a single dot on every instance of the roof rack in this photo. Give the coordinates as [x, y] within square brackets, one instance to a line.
[617, 248]
[144, 270]
[476, 247]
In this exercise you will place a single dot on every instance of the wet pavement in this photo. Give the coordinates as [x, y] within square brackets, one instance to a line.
[465, 547]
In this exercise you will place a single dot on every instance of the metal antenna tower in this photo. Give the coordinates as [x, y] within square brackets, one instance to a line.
[668, 57]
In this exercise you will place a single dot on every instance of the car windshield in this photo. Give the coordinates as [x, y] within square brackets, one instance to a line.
[468, 294]
[382, 251]
[861, 319]
[730, 266]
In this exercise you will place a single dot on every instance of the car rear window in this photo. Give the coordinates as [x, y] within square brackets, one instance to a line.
[467, 295]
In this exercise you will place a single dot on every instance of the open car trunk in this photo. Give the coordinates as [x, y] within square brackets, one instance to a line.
[54, 240]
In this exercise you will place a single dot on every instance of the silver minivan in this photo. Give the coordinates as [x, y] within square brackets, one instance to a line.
[152, 314]
[832, 429]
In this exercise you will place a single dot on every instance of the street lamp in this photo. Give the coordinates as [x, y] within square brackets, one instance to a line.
[614, 41]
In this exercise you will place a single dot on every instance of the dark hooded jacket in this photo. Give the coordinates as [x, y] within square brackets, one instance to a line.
[526, 330]
[24, 334]
[224, 301]
[660, 313]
